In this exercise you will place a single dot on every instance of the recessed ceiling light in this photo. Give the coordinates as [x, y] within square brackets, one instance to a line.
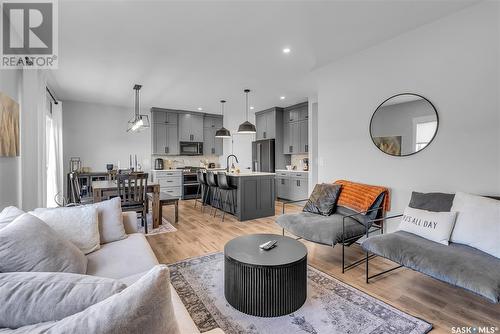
[286, 50]
[200, 108]
[251, 108]
[282, 97]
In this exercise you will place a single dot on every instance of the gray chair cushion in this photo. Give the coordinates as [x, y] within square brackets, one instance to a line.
[30, 298]
[326, 230]
[28, 244]
[437, 202]
[459, 265]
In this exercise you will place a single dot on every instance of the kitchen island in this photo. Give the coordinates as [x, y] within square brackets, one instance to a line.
[254, 195]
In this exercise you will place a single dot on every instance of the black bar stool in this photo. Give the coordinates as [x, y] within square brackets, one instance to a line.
[229, 194]
[214, 189]
[202, 189]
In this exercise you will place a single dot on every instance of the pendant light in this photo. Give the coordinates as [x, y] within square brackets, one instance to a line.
[222, 132]
[138, 122]
[246, 127]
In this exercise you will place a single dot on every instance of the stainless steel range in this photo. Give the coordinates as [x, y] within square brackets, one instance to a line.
[189, 182]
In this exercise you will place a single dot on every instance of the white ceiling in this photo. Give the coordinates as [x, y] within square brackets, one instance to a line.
[188, 54]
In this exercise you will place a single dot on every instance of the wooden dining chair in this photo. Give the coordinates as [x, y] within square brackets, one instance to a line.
[75, 193]
[132, 189]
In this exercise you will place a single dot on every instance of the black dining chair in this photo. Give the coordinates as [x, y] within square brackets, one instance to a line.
[132, 189]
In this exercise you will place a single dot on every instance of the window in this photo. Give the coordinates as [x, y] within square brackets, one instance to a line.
[424, 133]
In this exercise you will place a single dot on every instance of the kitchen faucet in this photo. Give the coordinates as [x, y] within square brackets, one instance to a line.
[227, 161]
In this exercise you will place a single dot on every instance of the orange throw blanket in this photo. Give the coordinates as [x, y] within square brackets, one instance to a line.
[360, 197]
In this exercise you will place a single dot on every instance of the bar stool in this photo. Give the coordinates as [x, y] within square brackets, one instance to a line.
[202, 189]
[214, 189]
[229, 193]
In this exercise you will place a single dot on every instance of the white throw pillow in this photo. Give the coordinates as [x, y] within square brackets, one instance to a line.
[110, 220]
[8, 214]
[77, 224]
[478, 222]
[144, 307]
[28, 298]
[434, 226]
[28, 244]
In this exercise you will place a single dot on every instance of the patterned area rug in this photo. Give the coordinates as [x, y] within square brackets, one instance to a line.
[331, 306]
[165, 227]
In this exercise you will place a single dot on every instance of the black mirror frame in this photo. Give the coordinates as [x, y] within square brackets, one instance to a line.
[406, 155]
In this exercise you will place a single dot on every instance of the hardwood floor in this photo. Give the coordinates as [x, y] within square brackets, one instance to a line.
[439, 303]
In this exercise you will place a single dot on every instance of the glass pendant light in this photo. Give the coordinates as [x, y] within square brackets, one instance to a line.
[247, 127]
[222, 132]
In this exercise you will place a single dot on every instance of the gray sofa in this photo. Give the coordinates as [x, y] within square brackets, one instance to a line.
[457, 264]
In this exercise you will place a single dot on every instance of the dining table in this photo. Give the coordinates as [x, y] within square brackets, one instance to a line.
[103, 190]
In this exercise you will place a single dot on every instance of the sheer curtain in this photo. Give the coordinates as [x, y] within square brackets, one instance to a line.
[53, 153]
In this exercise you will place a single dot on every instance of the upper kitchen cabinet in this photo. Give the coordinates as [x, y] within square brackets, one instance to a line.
[212, 145]
[212, 122]
[190, 127]
[165, 139]
[163, 117]
[296, 113]
[265, 122]
[295, 129]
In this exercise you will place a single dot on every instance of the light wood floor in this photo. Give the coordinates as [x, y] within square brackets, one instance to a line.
[438, 303]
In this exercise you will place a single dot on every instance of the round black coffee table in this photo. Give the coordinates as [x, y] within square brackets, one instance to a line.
[265, 283]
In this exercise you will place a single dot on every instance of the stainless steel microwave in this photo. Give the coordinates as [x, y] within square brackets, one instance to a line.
[191, 148]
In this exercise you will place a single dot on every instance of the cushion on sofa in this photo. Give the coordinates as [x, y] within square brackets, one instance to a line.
[456, 264]
[144, 307]
[110, 220]
[77, 224]
[28, 244]
[323, 199]
[325, 230]
[30, 298]
[8, 214]
[122, 258]
[478, 222]
[435, 226]
[437, 202]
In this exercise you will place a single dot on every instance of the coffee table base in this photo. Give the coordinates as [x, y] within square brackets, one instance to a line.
[265, 291]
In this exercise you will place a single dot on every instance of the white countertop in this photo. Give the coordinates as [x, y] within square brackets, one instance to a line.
[250, 174]
[292, 171]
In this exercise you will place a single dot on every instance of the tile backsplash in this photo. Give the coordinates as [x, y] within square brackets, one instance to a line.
[181, 161]
[296, 158]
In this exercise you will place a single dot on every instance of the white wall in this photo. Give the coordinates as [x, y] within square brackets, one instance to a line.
[97, 134]
[454, 62]
[10, 81]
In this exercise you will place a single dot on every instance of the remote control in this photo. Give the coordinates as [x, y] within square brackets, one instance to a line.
[268, 245]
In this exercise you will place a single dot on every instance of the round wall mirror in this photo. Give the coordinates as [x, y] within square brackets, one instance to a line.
[404, 124]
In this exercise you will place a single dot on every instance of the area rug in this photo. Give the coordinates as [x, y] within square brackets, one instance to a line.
[165, 226]
[331, 306]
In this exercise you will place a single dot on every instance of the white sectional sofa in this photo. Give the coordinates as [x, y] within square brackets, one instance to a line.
[128, 260]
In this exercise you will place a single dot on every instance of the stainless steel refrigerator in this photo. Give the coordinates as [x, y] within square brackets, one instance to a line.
[263, 155]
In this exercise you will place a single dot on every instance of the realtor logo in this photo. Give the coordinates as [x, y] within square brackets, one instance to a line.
[29, 34]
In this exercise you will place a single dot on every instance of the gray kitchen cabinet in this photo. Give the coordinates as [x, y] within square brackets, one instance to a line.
[265, 122]
[190, 127]
[283, 187]
[164, 117]
[298, 189]
[211, 145]
[165, 139]
[303, 136]
[260, 125]
[291, 143]
[212, 122]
